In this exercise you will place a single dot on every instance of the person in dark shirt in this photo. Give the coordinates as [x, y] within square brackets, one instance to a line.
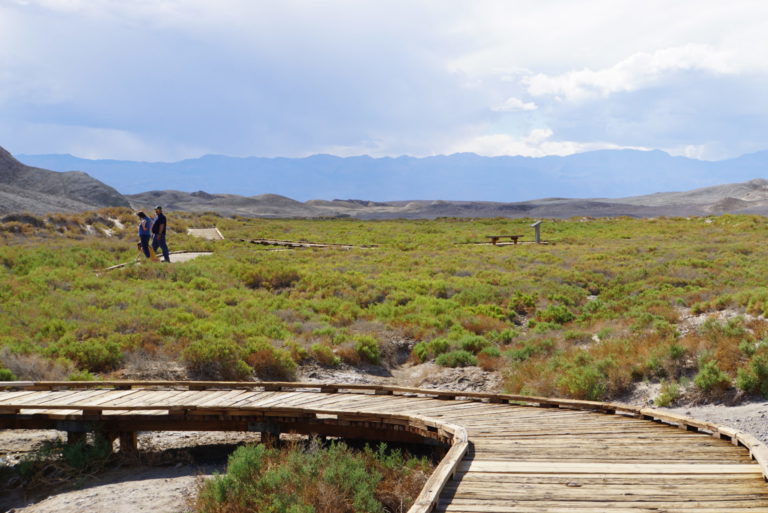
[158, 233]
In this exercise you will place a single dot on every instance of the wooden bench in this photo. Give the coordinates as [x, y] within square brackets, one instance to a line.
[495, 238]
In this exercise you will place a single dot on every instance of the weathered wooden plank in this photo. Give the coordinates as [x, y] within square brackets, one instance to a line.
[625, 480]
[580, 507]
[606, 468]
[574, 490]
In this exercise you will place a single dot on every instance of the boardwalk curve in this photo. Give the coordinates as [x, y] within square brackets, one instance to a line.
[502, 453]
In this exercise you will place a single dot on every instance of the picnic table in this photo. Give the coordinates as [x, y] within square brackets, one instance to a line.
[495, 238]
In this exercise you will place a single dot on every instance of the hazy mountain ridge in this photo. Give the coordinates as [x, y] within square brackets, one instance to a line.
[458, 177]
[35, 190]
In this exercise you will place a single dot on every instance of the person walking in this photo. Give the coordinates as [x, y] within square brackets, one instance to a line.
[159, 226]
[145, 232]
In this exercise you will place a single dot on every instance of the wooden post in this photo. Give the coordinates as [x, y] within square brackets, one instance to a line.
[128, 442]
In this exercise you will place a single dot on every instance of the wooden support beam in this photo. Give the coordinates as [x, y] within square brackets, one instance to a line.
[128, 442]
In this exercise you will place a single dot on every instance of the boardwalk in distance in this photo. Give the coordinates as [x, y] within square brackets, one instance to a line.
[510, 454]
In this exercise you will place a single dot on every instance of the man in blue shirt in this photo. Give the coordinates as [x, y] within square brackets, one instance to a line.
[158, 233]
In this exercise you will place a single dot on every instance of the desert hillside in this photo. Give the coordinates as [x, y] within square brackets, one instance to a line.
[39, 191]
[749, 198]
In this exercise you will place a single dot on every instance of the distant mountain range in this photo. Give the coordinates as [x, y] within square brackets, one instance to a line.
[460, 177]
[23, 188]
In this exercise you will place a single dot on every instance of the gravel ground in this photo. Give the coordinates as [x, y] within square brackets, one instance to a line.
[163, 488]
[134, 490]
[749, 417]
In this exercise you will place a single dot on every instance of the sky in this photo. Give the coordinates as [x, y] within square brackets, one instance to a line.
[165, 80]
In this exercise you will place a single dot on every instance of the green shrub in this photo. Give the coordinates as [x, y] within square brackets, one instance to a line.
[298, 352]
[543, 327]
[754, 379]
[460, 358]
[368, 348]
[7, 375]
[292, 480]
[493, 311]
[505, 337]
[710, 378]
[669, 393]
[93, 354]
[432, 349]
[268, 361]
[270, 278]
[522, 303]
[676, 351]
[324, 355]
[530, 348]
[214, 358]
[439, 346]
[491, 351]
[747, 347]
[81, 375]
[473, 343]
[556, 314]
[586, 377]
[421, 351]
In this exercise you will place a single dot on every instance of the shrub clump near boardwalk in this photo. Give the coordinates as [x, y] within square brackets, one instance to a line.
[335, 479]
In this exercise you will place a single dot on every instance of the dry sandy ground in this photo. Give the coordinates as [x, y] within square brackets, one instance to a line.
[143, 489]
[165, 488]
[751, 417]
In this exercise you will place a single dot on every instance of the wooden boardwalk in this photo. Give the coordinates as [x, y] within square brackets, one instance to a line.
[505, 454]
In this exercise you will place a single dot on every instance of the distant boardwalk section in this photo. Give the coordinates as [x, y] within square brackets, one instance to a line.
[206, 233]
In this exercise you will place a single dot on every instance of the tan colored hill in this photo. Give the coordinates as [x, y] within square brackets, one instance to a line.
[733, 196]
[747, 197]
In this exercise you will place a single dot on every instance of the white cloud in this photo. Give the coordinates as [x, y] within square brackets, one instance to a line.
[92, 142]
[636, 72]
[293, 77]
[537, 143]
[513, 104]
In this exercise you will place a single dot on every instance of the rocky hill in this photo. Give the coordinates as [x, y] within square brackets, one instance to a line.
[39, 191]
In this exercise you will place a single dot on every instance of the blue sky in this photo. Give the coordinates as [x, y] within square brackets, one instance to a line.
[172, 79]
